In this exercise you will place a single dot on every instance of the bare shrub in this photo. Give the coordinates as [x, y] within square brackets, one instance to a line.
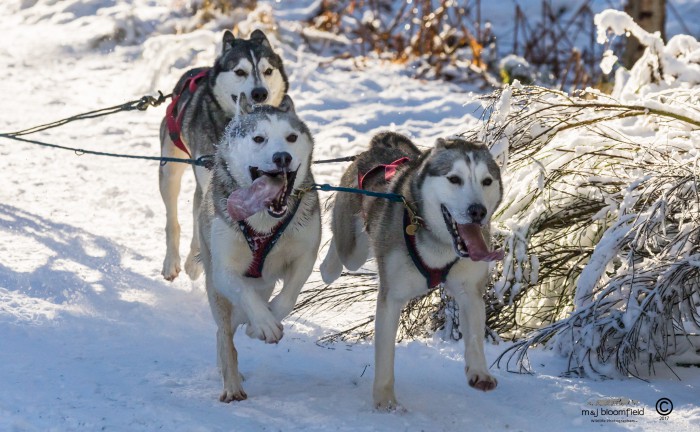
[453, 40]
[441, 34]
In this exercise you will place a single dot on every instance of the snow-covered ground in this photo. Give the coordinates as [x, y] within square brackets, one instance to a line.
[92, 338]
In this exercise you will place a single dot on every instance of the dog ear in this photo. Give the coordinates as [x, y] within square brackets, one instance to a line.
[259, 37]
[227, 41]
[440, 143]
[287, 105]
[243, 105]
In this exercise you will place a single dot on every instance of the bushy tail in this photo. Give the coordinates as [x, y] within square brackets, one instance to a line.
[331, 267]
[350, 243]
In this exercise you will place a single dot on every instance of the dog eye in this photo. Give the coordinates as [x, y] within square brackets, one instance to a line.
[487, 182]
[292, 138]
[454, 179]
[259, 139]
[268, 71]
[240, 72]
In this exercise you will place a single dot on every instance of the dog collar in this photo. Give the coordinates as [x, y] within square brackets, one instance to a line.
[433, 277]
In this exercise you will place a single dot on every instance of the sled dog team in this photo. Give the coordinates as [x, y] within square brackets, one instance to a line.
[257, 221]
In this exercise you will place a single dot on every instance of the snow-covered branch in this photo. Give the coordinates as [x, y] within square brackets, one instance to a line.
[601, 217]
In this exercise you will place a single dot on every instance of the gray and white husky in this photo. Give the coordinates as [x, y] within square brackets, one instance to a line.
[205, 104]
[244, 259]
[452, 191]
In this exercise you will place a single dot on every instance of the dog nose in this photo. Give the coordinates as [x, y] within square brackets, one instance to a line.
[259, 94]
[282, 159]
[477, 212]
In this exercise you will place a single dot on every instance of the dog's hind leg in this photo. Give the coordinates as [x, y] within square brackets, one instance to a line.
[193, 267]
[169, 179]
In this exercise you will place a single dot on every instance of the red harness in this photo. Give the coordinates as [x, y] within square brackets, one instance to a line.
[261, 244]
[433, 276]
[389, 171]
[174, 118]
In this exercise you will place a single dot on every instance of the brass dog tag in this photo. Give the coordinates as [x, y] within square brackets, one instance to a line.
[411, 229]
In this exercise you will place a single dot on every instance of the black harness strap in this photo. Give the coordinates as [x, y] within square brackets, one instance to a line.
[261, 244]
[433, 277]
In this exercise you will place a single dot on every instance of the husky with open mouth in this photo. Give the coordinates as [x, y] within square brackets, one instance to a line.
[204, 102]
[441, 235]
[257, 227]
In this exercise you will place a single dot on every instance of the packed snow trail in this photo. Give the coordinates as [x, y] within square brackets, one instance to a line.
[94, 339]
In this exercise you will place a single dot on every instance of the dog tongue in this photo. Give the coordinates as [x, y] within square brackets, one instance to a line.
[245, 202]
[478, 251]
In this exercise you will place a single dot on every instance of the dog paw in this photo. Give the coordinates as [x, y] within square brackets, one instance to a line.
[389, 405]
[481, 380]
[233, 395]
[171, 268]
[193, 267]
[385, 399]
[268, 330]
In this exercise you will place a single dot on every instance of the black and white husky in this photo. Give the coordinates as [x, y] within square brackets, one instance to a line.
[204, 102]
[244, 258]
[441, 235]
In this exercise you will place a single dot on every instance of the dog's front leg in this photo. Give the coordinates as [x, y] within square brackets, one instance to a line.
[472, 320]
[242, 292]
[396, 288]
[294, 280]
[386, 324]
[227, 356]
[262, 324]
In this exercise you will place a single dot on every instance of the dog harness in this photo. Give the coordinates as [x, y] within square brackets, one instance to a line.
[174, 118]
[433, 277]
[389, 171]
[261, 244]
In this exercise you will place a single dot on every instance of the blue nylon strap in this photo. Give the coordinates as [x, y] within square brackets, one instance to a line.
[388, 196]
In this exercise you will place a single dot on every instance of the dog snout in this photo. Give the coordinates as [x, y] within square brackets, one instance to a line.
[259, 94]
[477, 213]
[282, 159]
